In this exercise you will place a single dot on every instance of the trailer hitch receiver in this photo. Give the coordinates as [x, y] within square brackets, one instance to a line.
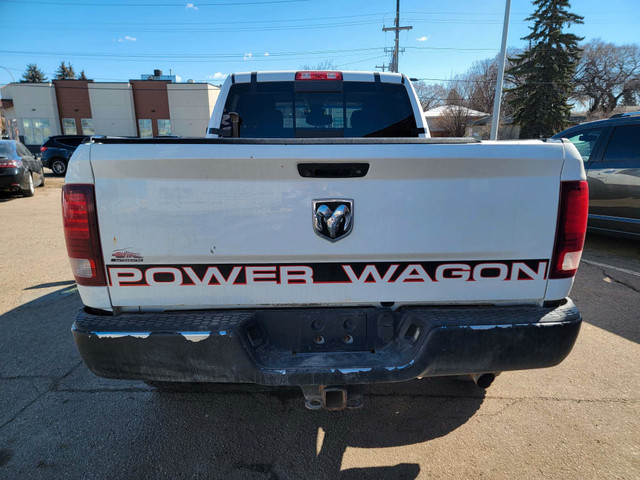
[333, 398]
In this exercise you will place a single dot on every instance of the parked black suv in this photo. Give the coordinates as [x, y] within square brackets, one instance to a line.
[611, 152]
[57, 151]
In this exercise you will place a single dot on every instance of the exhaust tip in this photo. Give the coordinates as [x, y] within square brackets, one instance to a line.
[483, 380]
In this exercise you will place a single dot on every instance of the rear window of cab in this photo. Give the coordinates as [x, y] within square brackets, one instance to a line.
[353, 109]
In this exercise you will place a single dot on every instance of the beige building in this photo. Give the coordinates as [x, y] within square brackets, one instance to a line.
[137, 108]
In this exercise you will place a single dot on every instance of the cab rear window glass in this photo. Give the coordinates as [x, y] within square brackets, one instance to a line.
[361, 109]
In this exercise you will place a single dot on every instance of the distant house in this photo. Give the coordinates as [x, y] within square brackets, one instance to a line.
[507, 130]
[442, 121]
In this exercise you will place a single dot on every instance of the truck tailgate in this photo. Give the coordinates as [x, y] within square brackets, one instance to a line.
[213, 225]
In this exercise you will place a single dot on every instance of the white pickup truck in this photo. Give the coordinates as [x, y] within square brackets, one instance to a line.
[317, 237]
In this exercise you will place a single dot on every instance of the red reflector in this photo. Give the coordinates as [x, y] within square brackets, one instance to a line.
[10, 163]
[314, 75]
[42, 149]
[571, 229]
[80, 222]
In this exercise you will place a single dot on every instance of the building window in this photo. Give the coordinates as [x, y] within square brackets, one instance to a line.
[144, 125]
[87, 126]
[36, 130]
[69, 126]
[164, 127]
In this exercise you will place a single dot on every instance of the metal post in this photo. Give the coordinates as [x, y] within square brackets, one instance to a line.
[503, 56]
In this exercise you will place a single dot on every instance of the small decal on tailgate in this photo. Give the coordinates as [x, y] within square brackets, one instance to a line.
[327, 273]
[126, 255]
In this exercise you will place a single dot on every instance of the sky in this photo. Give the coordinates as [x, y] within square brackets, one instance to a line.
[117, 40]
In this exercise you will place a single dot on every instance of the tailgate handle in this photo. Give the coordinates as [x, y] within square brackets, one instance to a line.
[333, 170]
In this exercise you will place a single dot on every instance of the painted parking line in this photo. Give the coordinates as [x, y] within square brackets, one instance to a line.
[611, 267]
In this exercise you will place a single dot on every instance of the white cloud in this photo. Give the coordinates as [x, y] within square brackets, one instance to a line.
[248, 56]
[424, 38]
[127, 38]
[266, 54]
[191, 6]
[218, 76]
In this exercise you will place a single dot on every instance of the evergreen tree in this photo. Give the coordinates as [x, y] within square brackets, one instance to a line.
[82, 76]
[33, 74]
[65, 72]
[545, 71]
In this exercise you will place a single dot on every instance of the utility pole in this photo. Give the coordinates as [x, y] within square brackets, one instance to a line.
[495, 118]
[383, 67]
[393, 66]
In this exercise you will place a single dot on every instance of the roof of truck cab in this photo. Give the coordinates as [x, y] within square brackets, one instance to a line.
[290, 75]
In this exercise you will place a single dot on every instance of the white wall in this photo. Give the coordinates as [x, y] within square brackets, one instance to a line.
[112, 109]
[190, 107]
[32, 100]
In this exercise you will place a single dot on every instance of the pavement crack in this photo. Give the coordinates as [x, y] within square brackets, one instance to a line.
[615, 280]
[622, 282]
[19, 412]
[56, 382]
[52, 387]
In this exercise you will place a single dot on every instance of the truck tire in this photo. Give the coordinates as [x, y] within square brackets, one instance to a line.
[59, 167]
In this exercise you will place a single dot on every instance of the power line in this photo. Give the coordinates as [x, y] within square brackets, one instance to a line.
[216, 56]
[153, 5]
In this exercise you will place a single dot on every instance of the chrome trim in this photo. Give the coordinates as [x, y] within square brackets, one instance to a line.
[335, 220]
[615, 219]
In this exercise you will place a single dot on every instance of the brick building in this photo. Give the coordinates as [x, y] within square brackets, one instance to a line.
[137, 108]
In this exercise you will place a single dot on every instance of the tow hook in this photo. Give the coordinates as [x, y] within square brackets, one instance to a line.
[333, 398]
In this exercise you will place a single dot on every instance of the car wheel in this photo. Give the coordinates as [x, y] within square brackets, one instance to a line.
[59, 167]
[41, 179]
[30, 190]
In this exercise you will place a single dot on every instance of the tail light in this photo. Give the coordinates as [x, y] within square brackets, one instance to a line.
[571, 229]
[81, 233]
[314, 75]
[42, 149]
[10, 163]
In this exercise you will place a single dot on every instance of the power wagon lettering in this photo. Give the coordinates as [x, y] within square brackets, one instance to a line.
[322, 273]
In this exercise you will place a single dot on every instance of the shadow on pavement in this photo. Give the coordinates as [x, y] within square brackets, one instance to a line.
[598, 291]
[59, 420]
[51, 284]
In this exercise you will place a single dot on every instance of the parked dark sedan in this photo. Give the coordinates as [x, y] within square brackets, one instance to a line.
[19, 170]
[611, 152]
[57, 151]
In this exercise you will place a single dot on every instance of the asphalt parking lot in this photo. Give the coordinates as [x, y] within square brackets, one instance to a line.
[580, 419]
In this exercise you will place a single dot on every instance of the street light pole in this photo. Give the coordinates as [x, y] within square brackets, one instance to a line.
[495, 118]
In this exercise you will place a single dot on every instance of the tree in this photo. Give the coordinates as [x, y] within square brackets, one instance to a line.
[482, 78]
[430, 95]
[82, 76]
[33, 74]
[607, 75]
[323, 65]
[65, 72]
[454, 120]
[541, 102]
